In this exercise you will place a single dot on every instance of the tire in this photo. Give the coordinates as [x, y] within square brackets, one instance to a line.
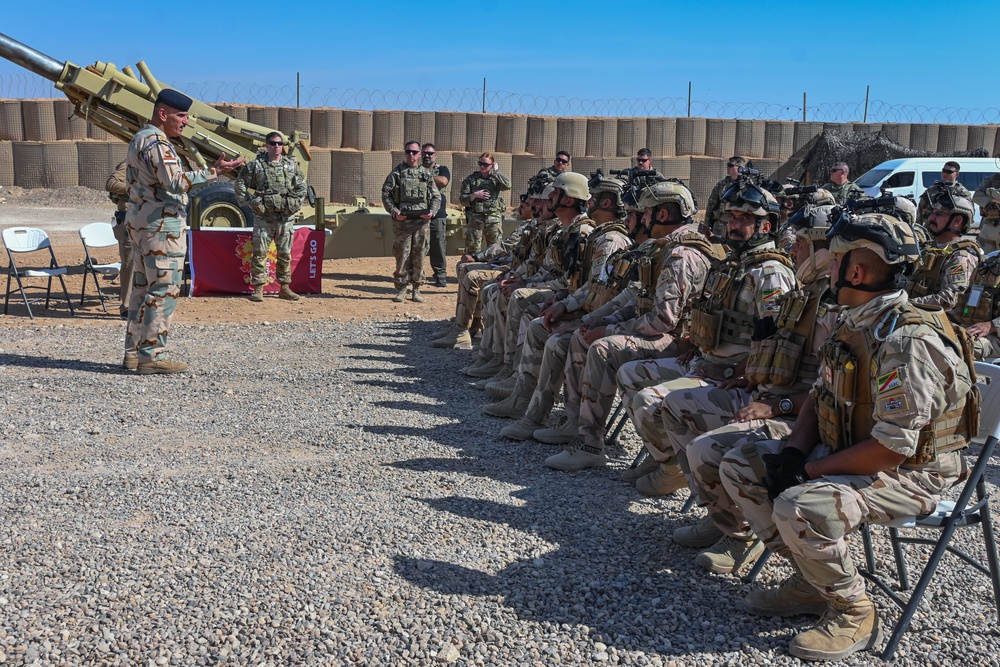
[218, 206]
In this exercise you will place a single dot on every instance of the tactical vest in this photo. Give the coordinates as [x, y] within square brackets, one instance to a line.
[567, 253]
[845, 400]
[274, 185]
[714, 318]
[981, 303]
[414, 188]
[521, 251]
[928, 277]
[621, 269]
[649, 272]
[596, 237]
[786, 358]
[991, 212]
[495, 204]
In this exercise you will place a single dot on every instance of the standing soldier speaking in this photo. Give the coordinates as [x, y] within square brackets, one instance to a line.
[483, 205]
[410, 196]
[279, 188]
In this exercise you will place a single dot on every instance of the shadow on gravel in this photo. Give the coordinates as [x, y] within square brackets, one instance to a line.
[26, 361]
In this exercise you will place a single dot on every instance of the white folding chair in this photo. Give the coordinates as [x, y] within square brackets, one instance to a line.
[97, 235]
[18, 240]
[949, 516]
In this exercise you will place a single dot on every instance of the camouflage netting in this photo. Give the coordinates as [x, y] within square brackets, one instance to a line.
[811, 163]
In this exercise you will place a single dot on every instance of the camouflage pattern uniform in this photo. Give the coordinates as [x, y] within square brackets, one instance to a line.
[410, 189]
[118, 193]
[926, 203]
[157, 189]
[473, 276]
[716, 217]
[279, 188]
[981, 303]
[668, 427]
[841, 193]
[483, 218]
[987, 195]
[944, 273]
[916, 379]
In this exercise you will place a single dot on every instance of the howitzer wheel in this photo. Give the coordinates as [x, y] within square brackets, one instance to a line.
[222, 214]
[218, 207]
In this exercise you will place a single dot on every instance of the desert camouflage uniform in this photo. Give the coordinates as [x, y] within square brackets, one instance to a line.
[989, 206]
[841, 193]
[279, 188]
[157, 190]
[926, 203]
[915, 379]
[118, 192]
[667, 428]
[410, 189]
[944, 273]
[706, 452]
[543, 354]
[483, 218]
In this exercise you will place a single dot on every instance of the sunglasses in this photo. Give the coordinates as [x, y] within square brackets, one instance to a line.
[412, 152]
[275, 143]
[642, 159]
[429, 153]
[562, 161]
[485, 164]
[730, 165]
[947, 171]
[834, 171]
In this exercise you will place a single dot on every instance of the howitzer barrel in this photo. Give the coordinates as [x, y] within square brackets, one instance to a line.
[29, 58]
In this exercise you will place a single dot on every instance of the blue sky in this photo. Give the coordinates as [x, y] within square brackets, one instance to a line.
[915, 54]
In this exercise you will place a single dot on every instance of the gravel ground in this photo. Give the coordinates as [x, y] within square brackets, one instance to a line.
[330, 493]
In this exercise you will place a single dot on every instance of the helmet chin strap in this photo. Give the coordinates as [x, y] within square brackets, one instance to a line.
[895, 282]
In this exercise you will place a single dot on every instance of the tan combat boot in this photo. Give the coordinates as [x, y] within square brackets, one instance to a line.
[130, 363]
[502, 388]
[287, 294]
[845, 628]
[792, 597]
[458, 339]
[522, 429]
[417, 296]
[400, 295]
[512, 407]
[487, 370]
[730, 554]
[258, 293]
[503, 374]
[562, 434]
[578, 456]
[480, 361]
[648, 465]
[702, 534]
[663, 481]
[162, 367]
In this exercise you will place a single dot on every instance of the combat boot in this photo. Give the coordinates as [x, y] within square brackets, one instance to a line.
[562, 433]
[459, 339]
[400, 295]
[502, 388]
[287, 294]
[504, 373]
[487, 370]
[702, 534]
[258, 293]
[792, 597]
[521, 429]
[512, 407]
[663, 481]
[648, 465]
[845, 628]
[480, 361]
[161, 367]
[578, 456]
[449, 327]
[416, 295]
[130, 364]
[730, 554]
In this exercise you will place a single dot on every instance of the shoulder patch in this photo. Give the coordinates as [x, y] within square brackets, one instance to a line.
[958, 271]
[891, 380]
[893, 404]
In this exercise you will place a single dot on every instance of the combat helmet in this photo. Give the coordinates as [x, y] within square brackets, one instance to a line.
[890, 238]
[956, 204]
[812, 222]
[822, 198]
[669, 192]
[600, 184]
[747, 197]
[573, 184]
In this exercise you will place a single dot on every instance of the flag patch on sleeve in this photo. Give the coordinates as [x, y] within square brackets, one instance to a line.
[889, 381]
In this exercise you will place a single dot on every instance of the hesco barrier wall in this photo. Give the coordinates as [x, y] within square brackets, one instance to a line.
[43, 145]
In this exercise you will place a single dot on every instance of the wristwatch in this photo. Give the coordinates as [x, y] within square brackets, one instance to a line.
[786, 406]
[728, 372]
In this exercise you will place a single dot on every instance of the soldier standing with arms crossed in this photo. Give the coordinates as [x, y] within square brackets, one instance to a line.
[483, 206]
[279, 188]
[157, 190]
[439, 225]
[410, 196]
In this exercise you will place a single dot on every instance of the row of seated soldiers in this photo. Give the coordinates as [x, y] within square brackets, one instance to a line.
[797, 395]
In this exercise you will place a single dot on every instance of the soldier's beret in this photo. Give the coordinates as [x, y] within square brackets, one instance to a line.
[174, 99]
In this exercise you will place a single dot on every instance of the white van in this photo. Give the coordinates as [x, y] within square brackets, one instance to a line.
[912, 175]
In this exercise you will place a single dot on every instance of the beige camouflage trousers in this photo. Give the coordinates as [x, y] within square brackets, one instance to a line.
[542, 367]
[589, 384]
[525, 302]
[808, 524]
[480, 227]
[157, 271]
[637, 381]
[472, 277]
[494, 310]
[689, 408]
[704, 457]
[409, 247]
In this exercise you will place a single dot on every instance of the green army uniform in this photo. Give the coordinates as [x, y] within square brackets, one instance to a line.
[275, 192]
[157, 188]
[410, 191]
[483, 218]
[926, 203]
[841, 193]
[987, 196]
[716, 217]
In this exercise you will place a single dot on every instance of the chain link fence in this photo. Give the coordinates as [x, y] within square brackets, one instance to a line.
[27, 86]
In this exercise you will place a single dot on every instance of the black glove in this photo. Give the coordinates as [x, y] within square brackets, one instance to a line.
[785, 469]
